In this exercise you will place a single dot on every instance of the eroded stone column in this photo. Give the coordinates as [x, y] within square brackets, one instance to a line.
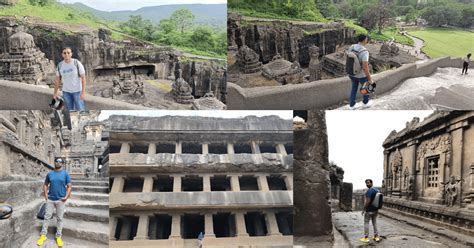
[148, 184]
[209, 226]
[255, 147]
[262, 183]
[175, 226]
[142, 230]
[112, 226]
[176, 183]
[272, 225]
[206, 183]
[230, 148]
[280, 148]
[152, 149]
[4, 159]
[288, 181]
[125, 148]
[178, 147]
[118, 184]
[205, 148]
[241, 230]
[234, 183]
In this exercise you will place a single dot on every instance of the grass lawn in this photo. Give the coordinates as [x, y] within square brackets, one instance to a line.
[390, 32]
[441, 42]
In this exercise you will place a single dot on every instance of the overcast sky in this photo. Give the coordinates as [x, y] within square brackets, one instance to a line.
[356, 137]
[113, 5]
[284, 114]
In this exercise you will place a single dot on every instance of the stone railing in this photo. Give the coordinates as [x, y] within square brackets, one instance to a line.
[325, 93]
[454, 218]
[15, 95]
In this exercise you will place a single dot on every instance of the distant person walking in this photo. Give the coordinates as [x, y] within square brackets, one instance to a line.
[370, 212]
[71, 74]
[359, 77]
[57, 189]
[465, 64]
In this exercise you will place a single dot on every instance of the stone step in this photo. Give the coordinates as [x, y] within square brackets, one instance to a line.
[89, 183]
[68, 242]
[78, 229]
[87, 204]
[92, 189]
[87, 214]
[98, 197]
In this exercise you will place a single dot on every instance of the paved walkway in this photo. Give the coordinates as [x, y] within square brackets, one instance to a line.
[394, 233]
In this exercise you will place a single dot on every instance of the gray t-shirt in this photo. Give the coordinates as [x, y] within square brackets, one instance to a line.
[363, 56]
[69, 78]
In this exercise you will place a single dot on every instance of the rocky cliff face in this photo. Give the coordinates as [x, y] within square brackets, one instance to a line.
[291, 41]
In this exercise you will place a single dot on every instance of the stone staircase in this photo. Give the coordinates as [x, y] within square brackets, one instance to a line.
[86, 221]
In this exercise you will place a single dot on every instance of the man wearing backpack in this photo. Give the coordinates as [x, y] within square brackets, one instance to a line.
[57, 189]
[71, 74]
[358, 69]
[370, 212]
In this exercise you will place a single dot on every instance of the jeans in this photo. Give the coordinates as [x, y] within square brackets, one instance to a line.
[465, 65]
[355, 88]
[50, 206]
[367, 217]
[73, 101]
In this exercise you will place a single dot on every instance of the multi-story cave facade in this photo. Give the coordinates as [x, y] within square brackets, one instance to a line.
[429, 170]
[176, 177]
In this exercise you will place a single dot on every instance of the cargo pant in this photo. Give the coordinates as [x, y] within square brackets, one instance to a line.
[367, 217]
[50, 206]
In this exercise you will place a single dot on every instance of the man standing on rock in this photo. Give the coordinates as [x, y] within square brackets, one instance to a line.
[364, 75]
[57, 189]
[71, 74]
[370, 212]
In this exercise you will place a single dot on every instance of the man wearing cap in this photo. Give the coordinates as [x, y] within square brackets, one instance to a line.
[364, 75]
[57, 189]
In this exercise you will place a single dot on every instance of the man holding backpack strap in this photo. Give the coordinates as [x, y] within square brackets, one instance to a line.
[357, 67]
[370, 211]
[71, 73]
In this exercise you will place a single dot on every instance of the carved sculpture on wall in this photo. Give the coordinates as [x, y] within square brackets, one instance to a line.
[451, 191]
[411, 187]
[396, 165]
[436, 146]
[405, 177]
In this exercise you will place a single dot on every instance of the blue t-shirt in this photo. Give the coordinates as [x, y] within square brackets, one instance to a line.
[57, 181]
[371, 195]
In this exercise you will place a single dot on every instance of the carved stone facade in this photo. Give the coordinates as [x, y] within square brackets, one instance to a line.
[315, 66]
[430, 162]
[284, 71]
[176, 177]
[182, 90]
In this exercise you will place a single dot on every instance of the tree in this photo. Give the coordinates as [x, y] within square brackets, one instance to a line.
[376, 16]
[138, 27]
[203, 38]
[183, 18]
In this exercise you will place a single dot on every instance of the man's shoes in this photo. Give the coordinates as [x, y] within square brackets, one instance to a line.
[41, 240]
[364, 239]
[352, 107]
[366, 105]
[59, 240]
[376, 238]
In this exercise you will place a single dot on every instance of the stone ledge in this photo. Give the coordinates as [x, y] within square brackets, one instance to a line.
[234, 242]
[200, 200]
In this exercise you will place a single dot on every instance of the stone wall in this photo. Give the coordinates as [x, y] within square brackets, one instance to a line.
[325, 93]
[311, 179]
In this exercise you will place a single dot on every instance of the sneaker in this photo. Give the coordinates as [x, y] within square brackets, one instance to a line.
[366, 105]
[41, 240]
[352, 107]
[59, 240]
[376, 238]
[364, 239]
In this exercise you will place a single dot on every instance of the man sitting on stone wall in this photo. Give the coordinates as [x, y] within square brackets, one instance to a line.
[71, 74]
[57, 189]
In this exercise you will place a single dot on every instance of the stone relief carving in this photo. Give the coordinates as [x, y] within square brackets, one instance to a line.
[396, 166]
[451, 191]
[440, 144]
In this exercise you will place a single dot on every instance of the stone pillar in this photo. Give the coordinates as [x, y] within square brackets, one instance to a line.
[112, 227]
[142, 230]
[178, 147]
[230, 148]
[385, 171]
[289, 181]
[241, 230]
[117, 186]
[412, 163]
[205, 148]
[263, 183]
[255, 147]
[148, 184]
[280, 148]
[177, 183]
[234, 183]
[152, 149]
[125, 148]
[209, 226]
[471, 187]
[175, 226]
[4, 159]
[206, 183]
[272, 225]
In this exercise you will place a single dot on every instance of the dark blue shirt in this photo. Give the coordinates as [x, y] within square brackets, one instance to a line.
[57, 181]
[371, 195]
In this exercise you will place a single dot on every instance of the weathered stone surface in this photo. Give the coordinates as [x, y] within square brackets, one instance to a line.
[345, 197]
